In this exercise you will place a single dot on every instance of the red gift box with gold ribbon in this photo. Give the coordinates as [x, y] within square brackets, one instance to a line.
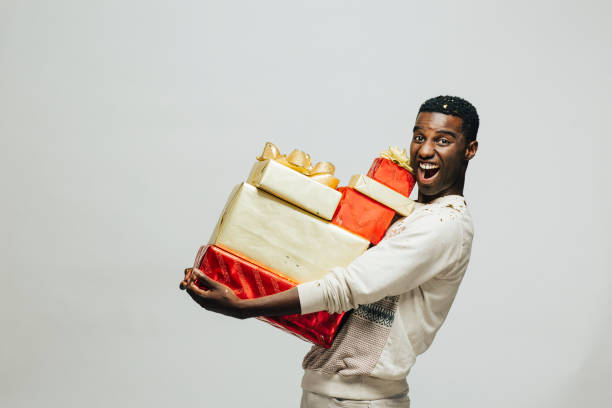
[362, 215]
[249, 281]
[392, 175]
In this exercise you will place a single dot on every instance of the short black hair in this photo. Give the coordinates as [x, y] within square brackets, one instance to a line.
[453, 105]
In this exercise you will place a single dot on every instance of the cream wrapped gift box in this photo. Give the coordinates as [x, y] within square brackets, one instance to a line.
[298, 189]
[283, 238]
[383, 194]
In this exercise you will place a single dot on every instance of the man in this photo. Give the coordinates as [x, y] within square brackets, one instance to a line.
[401, 289]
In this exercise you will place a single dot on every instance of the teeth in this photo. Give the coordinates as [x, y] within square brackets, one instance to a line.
[428, 166]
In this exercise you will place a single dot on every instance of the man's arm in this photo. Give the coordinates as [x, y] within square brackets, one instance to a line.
[431, 246]
[221, 299]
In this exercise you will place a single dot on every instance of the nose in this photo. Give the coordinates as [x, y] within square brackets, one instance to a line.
[426, 151]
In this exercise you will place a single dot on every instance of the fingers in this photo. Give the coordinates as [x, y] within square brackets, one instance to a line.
[187, 279]
[194, 290]
[190, 276]
[204, 280]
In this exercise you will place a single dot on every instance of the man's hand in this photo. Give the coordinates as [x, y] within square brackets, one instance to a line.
[216, 297]
[221, 299]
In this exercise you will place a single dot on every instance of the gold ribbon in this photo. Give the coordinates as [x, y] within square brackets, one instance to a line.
[398, 156]
[322, 172]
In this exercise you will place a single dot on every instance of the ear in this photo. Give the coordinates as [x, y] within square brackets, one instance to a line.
[470, 149]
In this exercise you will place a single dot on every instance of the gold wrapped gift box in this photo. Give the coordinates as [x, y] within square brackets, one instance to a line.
[383, 194]
[298, 189]
[286, 239]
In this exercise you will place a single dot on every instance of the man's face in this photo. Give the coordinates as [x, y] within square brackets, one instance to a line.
[438, 152]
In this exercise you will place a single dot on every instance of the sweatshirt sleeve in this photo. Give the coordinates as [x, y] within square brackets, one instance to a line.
[428, 247]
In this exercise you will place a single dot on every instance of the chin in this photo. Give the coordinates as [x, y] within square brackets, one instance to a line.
[429, 187]
[429, 190]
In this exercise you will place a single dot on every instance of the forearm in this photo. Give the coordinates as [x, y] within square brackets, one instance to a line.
[279, 304]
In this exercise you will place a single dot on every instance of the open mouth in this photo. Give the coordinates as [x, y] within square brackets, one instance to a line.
[427, 171]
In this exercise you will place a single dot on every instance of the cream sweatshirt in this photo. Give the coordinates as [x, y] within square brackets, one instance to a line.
[401, 290]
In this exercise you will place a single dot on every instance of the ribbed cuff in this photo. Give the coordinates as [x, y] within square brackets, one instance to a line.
[311, 297]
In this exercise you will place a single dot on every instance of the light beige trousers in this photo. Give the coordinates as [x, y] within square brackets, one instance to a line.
[312, 400]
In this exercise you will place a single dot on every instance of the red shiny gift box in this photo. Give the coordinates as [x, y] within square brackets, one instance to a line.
[249, 281]
[362, 215]
[392, 175]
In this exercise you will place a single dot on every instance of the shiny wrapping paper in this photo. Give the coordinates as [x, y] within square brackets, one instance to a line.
[383, 194]
[391, 175]
[362, 215]
[250, 281]
[294, 187]
[289, 241]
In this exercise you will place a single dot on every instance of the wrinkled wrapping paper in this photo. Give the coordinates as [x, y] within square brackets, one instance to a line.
[392, 175]
[383, 194]
[362, 215]
[282, 238]
[250, 281]
[294, 187]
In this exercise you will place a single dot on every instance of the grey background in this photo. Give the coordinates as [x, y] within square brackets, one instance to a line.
[125, 124]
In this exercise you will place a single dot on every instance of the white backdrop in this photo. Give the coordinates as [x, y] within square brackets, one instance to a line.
[125, 124]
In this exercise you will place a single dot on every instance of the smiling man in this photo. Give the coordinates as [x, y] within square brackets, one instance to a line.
[401, 289]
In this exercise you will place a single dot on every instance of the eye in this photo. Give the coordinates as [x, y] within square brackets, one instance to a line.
[418, 138]
[443, 141]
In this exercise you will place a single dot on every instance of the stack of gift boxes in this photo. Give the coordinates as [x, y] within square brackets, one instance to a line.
[288, 224]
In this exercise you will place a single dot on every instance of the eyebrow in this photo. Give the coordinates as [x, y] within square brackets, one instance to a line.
[446, 132]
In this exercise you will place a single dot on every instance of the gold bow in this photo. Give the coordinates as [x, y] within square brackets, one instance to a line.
[397, 156]
[322, 172]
